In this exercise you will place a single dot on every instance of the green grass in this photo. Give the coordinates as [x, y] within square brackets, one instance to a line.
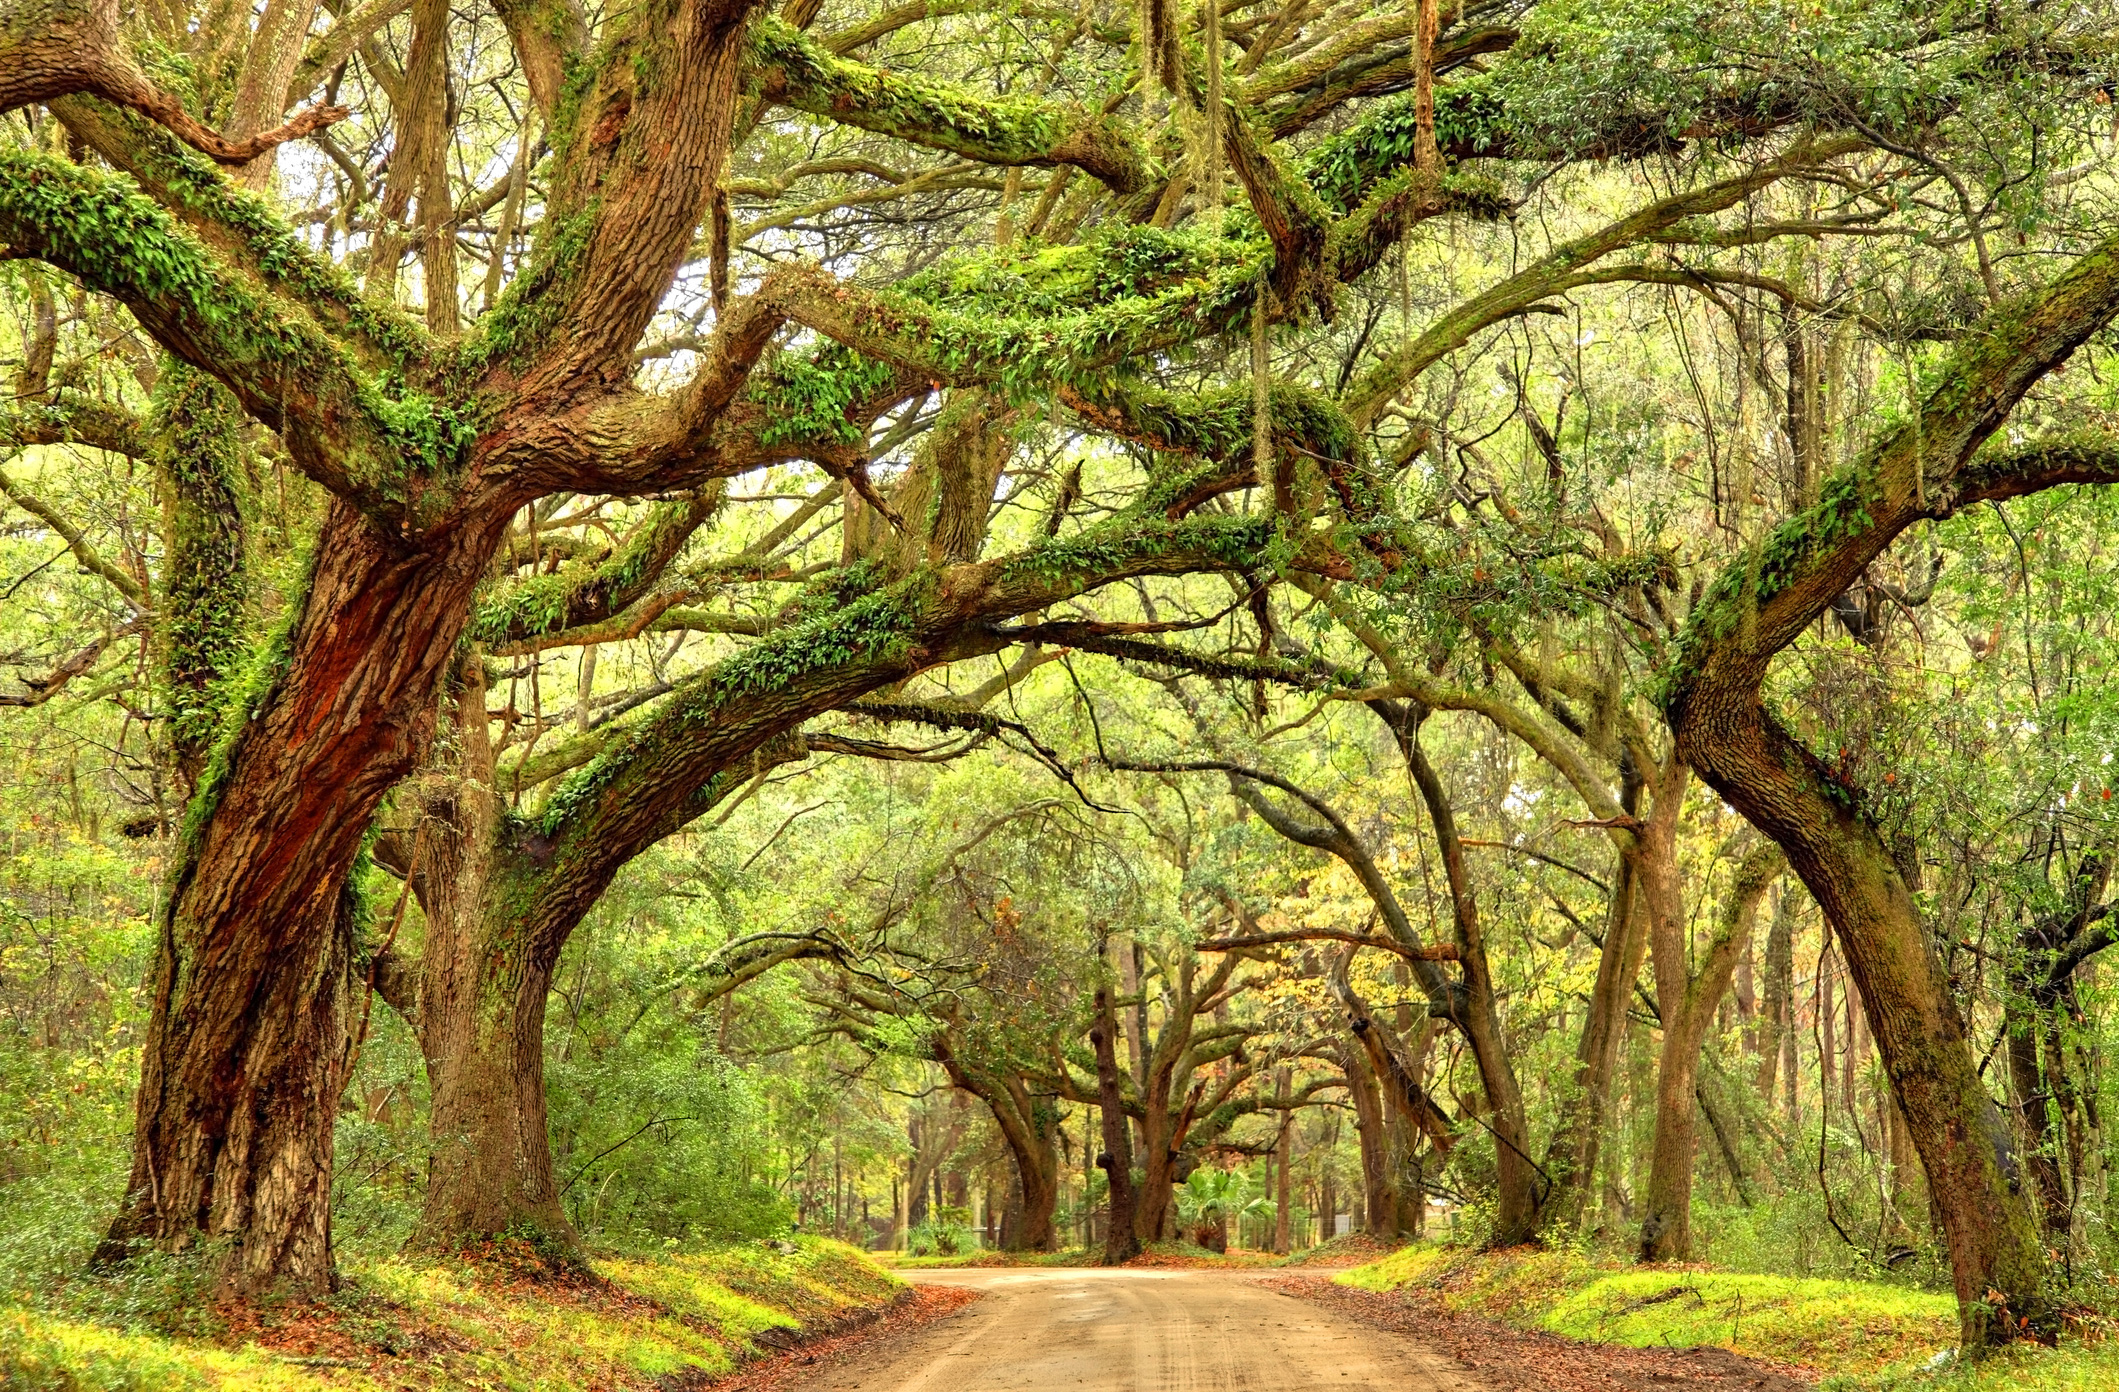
[2073, 1367]
[1860, 1336]
[420, 1324]
[40, 1353]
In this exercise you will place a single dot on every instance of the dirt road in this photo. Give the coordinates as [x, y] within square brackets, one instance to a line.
[1063, 1330]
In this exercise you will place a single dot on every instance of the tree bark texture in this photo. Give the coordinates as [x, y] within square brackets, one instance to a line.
[247, 1036]
[480, 1013]
[1928, 467]
[243, 1055]
[1121, 1244]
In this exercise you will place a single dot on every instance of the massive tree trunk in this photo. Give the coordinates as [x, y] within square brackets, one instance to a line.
[1037, 1168]
[479, 1011]
[244, 1051]
[490, 1157]
[1758, 606]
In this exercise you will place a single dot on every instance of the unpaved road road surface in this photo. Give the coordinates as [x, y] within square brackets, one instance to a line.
[1067, 1330]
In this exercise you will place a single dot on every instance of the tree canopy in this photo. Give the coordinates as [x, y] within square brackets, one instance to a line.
[963, 621]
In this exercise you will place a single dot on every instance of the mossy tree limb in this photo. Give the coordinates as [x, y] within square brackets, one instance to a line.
[1928, 467]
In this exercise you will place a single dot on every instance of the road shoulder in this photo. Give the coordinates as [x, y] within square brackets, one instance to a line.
[911, 1317]
[1506, 1359]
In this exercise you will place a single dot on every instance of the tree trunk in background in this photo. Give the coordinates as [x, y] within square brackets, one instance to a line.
[1689, 1000]
[1516, 1176]
[1572, 1154]
[1776, 1022]
[1283, 1148]
[1121, 1244]
[480, 1015]
[1746, 996]
[1158, 1158]
[1379, 1195]
[2034, 1114]
[1327, 1200]
[1029, 1126]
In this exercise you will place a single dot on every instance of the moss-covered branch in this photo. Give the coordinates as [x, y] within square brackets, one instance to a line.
[366, 437]
[243, 233]
[66, 419]
[205, 590]
[1556, 272]
[54, 48]
[528, 612]
[658, 776]
[794, 70]
[91, 560]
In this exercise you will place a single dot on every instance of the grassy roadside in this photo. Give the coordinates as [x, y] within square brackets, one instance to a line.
[668, 1321]
[1858, 1336]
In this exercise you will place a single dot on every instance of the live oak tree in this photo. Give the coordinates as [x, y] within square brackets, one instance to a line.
[1931, 466]
[1193, 242]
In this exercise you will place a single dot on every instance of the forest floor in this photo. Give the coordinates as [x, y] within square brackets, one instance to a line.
[669, 1322]
[1536, 1320]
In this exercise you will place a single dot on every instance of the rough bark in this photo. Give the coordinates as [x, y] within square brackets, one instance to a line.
[249, 980]
[480, 1012]
[54, 48]
[1121, 1242]
[1928, 467]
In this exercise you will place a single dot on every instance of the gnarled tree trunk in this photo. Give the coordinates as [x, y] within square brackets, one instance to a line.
[1756, 607]
[245, 1048]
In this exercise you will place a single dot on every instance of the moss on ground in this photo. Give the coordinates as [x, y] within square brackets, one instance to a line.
[1859, 1336]
[431, 1324]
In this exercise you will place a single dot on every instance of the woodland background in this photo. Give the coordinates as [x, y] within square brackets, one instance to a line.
[984, 576]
